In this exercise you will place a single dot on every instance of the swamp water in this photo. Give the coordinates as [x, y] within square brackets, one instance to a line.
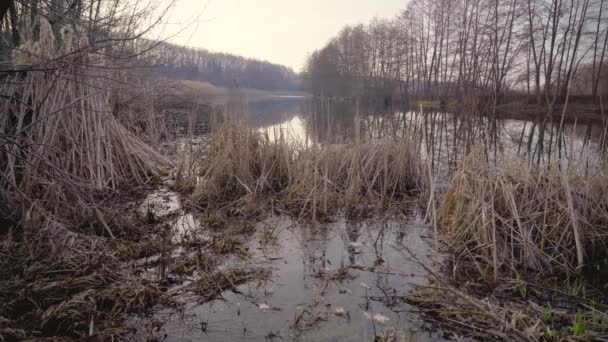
[344, 280]
[338, 281]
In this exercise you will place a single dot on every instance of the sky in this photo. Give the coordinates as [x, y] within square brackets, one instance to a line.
[279, 31]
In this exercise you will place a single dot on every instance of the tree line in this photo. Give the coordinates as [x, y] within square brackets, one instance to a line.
[112, 34]
[471, 51]
[223, 69]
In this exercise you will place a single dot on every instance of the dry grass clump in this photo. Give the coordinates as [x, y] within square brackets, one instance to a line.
[244, 167]
[240, 163]
[134, 250]
[74, 313]
[192, 155]
[228, 244]
[199, 262]
[512, 216]
[62, 138]
[64, 154]
[512, 309]
[470, 317]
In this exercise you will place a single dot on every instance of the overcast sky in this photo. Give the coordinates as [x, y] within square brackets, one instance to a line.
[280, 31]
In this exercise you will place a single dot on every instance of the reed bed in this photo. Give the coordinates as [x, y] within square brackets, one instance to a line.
[244, 167]
[64, 154]
[60, 131]
[511, 216]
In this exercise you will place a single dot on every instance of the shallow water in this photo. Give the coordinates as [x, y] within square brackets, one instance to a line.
[337, 281]
[345, 280]
[160, 204]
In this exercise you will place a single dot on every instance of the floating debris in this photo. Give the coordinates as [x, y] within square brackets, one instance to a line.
[379, 318]
[340, 312]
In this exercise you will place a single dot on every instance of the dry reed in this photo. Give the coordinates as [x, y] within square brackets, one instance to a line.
[60, 133]
[245, 167]
[512, 216]
[63, 148]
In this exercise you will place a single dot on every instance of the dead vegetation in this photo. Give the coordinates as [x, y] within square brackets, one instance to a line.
[203, 263]
[514, 217]
[68, 163]
[510, 313]
[211, 285]
[523, 240]
[72, 286]
[467, 316]
[547, 308]
[65, 285]
[60, 261]
[248, 171]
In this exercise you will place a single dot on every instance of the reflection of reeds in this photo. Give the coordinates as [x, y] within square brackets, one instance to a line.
[512, 215]
[243, 165]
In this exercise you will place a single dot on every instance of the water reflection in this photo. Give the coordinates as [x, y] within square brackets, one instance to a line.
[266, 112]
[445, 137]
[337, 281]
[293, 130]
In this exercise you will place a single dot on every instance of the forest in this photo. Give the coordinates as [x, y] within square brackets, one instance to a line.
[223, 69]
[486, 53]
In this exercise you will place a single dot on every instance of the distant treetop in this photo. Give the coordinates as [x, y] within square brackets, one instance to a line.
[223, 69]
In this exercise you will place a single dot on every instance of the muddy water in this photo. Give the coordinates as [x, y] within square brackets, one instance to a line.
[338, 281]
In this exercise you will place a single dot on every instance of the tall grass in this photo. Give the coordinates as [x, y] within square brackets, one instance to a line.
[64, 154]
[513, 216]
[60, 134]
[244, 166]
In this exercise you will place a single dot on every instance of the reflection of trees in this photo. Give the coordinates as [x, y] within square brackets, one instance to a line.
[335, 121]
[446, 136]
[265, 113]
[315, 245]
